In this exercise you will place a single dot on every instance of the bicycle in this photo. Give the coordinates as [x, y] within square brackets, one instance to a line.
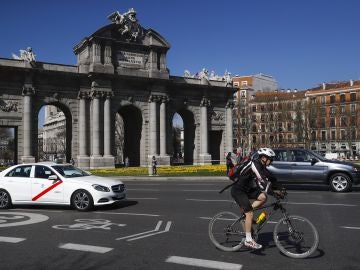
[294, 236]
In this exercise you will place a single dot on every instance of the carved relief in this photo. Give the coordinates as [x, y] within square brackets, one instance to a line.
[9, 106]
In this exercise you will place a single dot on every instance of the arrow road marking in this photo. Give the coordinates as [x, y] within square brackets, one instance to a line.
[147, 233]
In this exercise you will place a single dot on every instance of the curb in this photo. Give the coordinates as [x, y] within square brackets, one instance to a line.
[171, 178]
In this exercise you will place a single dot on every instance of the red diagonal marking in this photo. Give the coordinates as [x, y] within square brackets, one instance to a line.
[47, 190]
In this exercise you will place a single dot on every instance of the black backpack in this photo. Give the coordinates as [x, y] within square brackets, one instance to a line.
[235, 172]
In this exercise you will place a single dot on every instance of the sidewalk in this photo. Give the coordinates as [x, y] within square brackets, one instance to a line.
[172, 178]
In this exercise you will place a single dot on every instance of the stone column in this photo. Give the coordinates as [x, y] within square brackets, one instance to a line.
[164, 159]
[152, 126]
[205, 158]
[109, 160]
[83, 160]
[229, 126]
[95, 158]
[28, 92]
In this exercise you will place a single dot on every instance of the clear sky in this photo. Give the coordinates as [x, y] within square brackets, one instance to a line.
[301, 43]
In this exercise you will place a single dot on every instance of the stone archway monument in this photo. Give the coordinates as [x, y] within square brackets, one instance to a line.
[121, 69]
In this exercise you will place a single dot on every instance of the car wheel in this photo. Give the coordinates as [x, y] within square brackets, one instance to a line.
[5, 199]
[82, 200]
[340, 182]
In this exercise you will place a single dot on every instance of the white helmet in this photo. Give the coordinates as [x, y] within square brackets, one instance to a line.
[266, 152]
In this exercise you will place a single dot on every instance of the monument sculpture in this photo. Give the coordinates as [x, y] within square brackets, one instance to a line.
[128, 24]
[26, 55]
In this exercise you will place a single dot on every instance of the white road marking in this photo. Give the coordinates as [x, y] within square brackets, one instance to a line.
[201, 200]
[195, 185]
[142, 198]
[201, 190]
[203, 263]
[39, 210]
[129, 214]
[142, 189]
[351, 228]
[131, 184]
[209, 218]
[11, 239]
[133, 235]
[321, 204]
[89, 248]
[31, 218]
[167, 228]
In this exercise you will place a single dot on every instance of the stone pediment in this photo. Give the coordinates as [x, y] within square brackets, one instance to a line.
[124, 47]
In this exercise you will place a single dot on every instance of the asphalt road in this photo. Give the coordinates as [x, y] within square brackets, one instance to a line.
[164, 225]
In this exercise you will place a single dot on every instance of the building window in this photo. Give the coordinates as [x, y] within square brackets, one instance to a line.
[342, 134]
[244, 83]
[342, 98]
[342, 109]
[343, 121]
[332, 122]
[262, 118]
[262, 138]
[332, 99]
[332, 110]
[333, 135]
[352, 96]
[254, 108]
[236, 84]
[243, 94]
[322, 122]
[323, 135]
[353, 108]
[322, 99]
[254, 139]
[289, 127]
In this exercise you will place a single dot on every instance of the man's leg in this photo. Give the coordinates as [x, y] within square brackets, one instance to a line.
[260, 200]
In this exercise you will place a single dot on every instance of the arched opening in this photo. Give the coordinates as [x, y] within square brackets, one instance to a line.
[54, 133]
[128, 126]
[183, 137]
[8, 145]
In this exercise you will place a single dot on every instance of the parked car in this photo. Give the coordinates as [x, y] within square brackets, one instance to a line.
[301, 165]
[52, 183]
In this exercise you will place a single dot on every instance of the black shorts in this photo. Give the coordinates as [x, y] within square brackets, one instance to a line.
[242, 198]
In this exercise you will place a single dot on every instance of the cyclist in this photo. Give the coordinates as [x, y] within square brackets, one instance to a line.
[252, 184]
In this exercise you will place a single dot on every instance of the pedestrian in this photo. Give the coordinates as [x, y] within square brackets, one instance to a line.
[72, 161]
[127, 161]
[229, 163]
[239, 156]
[154, 164]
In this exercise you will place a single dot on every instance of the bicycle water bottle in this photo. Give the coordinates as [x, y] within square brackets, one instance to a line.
[261, 218]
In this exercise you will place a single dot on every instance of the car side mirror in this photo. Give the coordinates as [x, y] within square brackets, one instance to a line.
[53, 177]
[313, 161]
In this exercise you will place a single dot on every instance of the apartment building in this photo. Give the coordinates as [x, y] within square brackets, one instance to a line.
[324, 119]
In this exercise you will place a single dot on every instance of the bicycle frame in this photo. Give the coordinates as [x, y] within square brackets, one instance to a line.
[276, 206]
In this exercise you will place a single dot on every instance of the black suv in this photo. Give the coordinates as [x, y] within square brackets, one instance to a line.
[301, 165]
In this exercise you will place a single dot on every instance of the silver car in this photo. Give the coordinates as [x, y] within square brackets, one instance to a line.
[305, 166]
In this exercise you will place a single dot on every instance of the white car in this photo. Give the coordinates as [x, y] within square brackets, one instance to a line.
[51, 183]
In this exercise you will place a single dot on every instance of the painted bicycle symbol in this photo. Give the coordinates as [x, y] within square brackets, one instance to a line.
[88, 224]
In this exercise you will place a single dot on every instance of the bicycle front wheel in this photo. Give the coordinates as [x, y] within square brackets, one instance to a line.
[226, 231]
[296, 237]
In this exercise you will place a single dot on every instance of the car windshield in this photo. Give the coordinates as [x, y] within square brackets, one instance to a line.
[69, 171]
[317, 155]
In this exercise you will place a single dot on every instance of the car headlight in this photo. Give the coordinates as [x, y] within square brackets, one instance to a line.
[101, 188]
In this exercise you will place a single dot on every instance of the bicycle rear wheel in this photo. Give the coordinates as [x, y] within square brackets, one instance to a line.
[226, 231]
[296, 237]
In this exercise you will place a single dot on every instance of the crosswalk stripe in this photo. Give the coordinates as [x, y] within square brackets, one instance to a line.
[203, 263]
[89, 248]
[11, 239]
